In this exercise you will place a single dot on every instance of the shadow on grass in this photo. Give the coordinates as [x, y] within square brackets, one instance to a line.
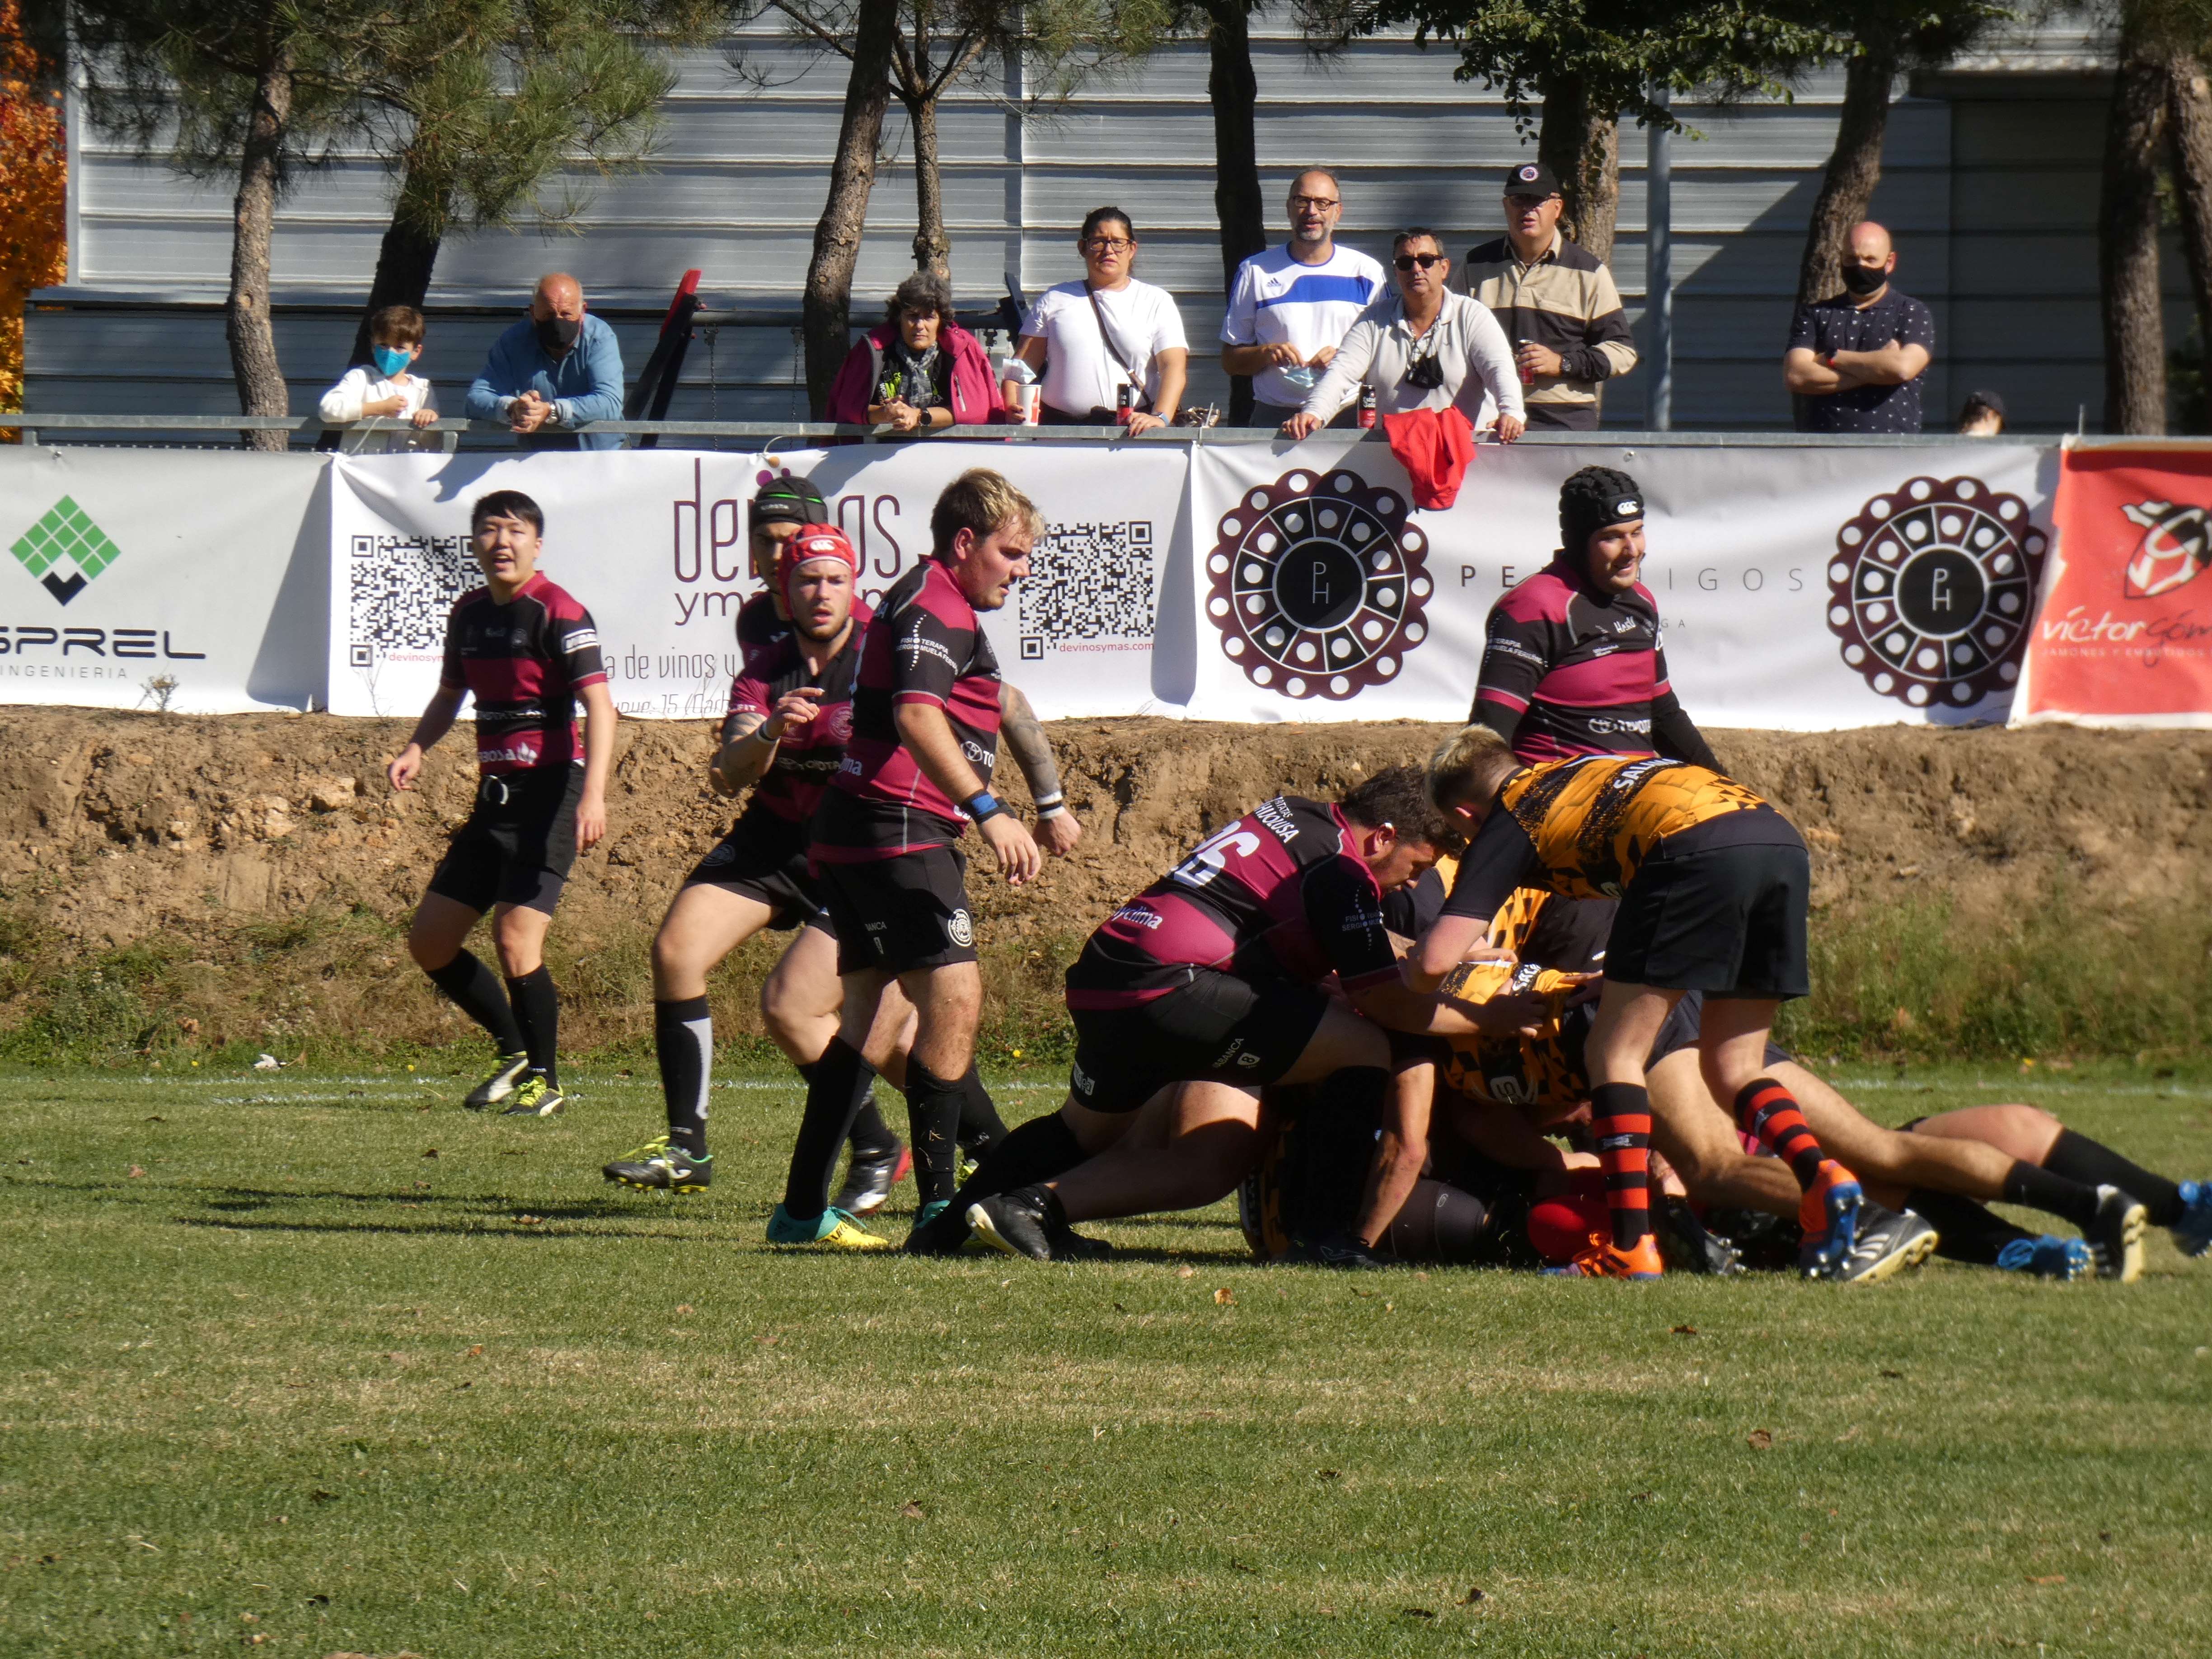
[488, 1228]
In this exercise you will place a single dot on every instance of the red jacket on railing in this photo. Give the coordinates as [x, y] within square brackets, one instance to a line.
[975, 394]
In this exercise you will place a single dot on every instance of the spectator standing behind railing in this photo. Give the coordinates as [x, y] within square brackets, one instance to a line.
[558, 370]
[1855, 360]
[1291, 306]
[388, 387]
[918, 371]
[1094, 337]
[1421, 347]
[1556, 302]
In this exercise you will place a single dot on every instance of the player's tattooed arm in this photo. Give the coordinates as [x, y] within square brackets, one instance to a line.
[1057, 830]
[438, 717]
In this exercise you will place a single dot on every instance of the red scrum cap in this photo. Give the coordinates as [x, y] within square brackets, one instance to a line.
[811, 542]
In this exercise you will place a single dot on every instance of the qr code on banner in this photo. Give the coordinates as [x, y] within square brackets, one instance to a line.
[403, 588]
[1087, 581]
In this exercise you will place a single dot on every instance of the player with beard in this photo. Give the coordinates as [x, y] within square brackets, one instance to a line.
[926, 712]
[1573, 663]
[1205, 989]
[783, 738]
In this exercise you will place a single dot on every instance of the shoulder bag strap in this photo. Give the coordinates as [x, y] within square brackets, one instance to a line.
[1114, 346]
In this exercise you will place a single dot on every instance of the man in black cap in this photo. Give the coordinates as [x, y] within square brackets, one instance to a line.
[1557, 303]
[780, 506]
[1574, 664]
[1856, 359]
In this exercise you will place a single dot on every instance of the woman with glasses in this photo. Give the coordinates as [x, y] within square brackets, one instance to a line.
[1422, 347]
[1107, 337]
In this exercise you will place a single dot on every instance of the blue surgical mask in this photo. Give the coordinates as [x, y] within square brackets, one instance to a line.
[393, 360]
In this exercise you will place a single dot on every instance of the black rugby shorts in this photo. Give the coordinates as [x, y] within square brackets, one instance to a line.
[907, 911]
[519, 844]
[1216, 1028]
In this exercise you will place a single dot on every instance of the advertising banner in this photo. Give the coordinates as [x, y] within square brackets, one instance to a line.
[1078, 634]
[1799, 588]
[188, 581]
[2125, 634]
[654, 544]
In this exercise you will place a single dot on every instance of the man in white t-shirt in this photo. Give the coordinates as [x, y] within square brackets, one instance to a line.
[1291, 306]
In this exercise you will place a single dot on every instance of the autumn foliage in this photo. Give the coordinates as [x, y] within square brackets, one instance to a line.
[33, 186]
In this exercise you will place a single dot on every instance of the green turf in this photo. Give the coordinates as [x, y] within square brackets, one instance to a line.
[273, 1370]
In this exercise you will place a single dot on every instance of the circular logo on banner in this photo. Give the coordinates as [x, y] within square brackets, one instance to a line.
[1317, 584]
[1931, 590]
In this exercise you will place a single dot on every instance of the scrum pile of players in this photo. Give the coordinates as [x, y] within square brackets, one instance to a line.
[1513, 1008]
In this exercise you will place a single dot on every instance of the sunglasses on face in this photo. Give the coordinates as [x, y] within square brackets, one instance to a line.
[1408, 261]
[1318, 204]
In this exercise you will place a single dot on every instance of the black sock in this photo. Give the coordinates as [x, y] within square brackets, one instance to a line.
[475, 990]
[933, 1112]
[870, 1137]
[2078, 1158]
[1042, 1148]
[1967, 1231]
[2036, 1188]
[684, 1041]
[981, 1127]
[830, 1083]
[538, 1016]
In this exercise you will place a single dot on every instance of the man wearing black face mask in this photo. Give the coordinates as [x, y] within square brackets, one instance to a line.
[553, 372]
[1855, 360]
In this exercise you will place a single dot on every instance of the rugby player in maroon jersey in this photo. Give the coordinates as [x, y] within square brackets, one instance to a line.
[1207, 987]
[1573, 663]
[926, 721]
[528, 653]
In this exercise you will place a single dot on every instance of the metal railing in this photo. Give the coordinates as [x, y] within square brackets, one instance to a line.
[34, 430]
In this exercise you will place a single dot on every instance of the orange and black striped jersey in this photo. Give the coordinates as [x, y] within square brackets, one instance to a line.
[1546, 1069]
[1582, 827]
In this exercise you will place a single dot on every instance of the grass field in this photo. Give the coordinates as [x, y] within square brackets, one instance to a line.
[323, 1365]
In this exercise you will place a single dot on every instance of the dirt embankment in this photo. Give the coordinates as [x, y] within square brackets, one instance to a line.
[114, 827]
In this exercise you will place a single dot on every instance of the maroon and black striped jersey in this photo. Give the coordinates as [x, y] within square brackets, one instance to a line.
[782, 802]
[758, 625]
[1579, 668]
[924, 645]
[1280, 894]
[524, 662]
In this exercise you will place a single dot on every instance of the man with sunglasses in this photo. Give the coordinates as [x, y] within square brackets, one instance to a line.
[1421, 347]
[1289, 306]
[1556, 300]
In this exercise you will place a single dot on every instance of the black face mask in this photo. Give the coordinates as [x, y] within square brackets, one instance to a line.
[1863, 280]
[557, 334]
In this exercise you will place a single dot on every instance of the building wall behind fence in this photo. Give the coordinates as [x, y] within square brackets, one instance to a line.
[1990, 180]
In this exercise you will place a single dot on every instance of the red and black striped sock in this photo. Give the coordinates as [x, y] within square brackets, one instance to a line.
[1620, 1118]
[1766, 1110]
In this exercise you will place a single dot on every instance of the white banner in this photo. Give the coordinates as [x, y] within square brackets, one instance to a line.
[189, 580]
[1078, 634]
[654, 544]
[1800, 589]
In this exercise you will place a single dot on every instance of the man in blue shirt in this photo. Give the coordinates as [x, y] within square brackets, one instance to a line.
[1291, 307]
[553, 373]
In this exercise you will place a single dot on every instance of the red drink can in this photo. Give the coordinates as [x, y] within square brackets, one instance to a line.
[1367, 407]
[1528, 376]
[1125, 404]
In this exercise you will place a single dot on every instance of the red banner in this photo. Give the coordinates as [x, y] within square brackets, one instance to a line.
[2124, 637]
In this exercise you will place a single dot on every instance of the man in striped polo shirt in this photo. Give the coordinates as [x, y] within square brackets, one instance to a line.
[1556, 302]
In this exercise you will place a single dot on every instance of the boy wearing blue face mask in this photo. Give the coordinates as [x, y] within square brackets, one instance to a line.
[385, 387]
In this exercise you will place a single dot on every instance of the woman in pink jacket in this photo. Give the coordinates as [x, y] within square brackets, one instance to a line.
[918, 371]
